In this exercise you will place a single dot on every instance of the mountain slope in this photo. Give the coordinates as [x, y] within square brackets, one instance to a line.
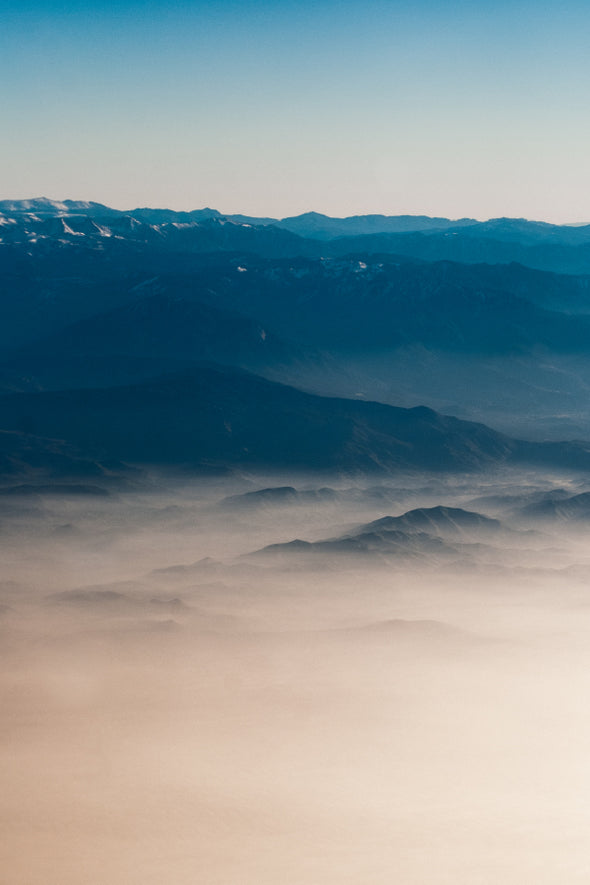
[446, 521]
[211, 416]
[144, 338]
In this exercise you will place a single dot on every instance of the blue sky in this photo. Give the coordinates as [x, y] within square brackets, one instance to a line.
[274, 108]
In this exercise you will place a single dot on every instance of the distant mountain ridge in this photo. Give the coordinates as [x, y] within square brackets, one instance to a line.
[314, 225]
[105, 315]
[95, 300]
[561, 248]
[325, 227]
[307, 224]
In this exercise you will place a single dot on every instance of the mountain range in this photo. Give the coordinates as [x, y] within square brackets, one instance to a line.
[135, 336]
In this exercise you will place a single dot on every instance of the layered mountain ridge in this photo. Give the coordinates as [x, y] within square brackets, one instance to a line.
[115, 327]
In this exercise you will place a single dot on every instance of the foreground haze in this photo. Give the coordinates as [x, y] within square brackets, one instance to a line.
[294, 581]
[409, 707]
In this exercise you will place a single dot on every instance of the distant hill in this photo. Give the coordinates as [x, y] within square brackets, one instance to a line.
[323, 227]
[150, 335]
[446, 521]
[224, 418]
[371, 546]
[574, 508]
[279, 496]
[422, 534]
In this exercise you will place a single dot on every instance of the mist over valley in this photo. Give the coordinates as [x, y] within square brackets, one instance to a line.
[294, 580]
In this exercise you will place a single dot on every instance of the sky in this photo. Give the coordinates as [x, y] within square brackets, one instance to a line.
[276, 107]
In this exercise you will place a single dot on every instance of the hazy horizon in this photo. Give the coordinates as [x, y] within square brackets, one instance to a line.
[461, 110]
[241, 210]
